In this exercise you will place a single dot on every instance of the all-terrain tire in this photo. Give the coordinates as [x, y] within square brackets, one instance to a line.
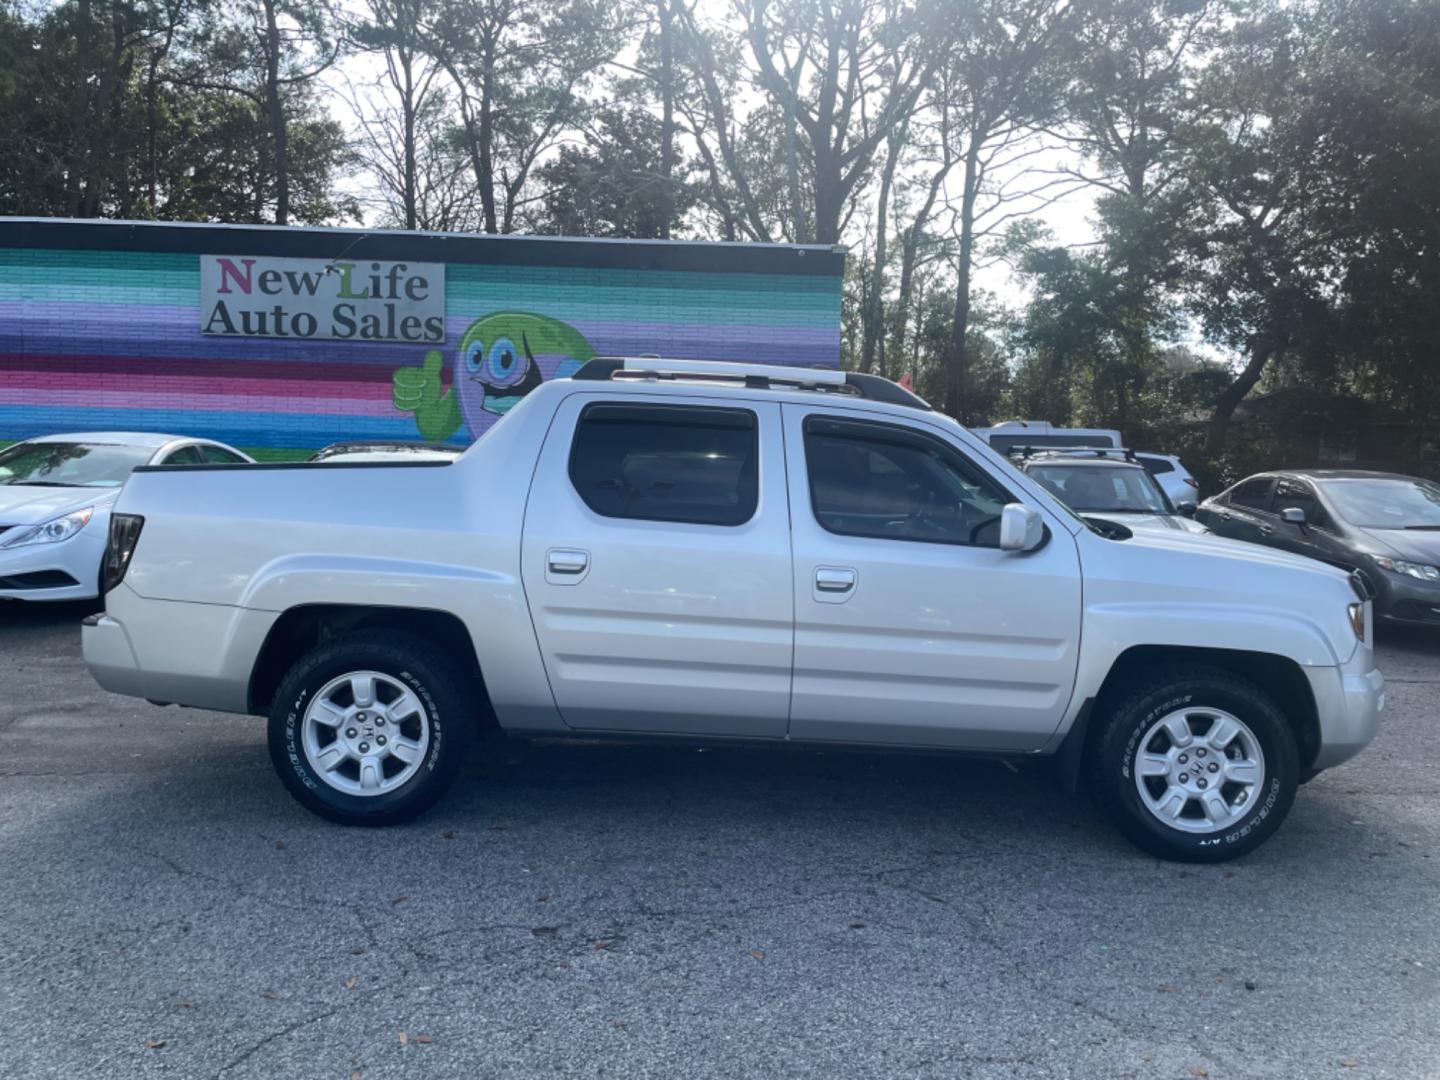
[1190, 691]
[445, 711]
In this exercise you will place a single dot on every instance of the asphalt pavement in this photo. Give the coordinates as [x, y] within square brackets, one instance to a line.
[624, 911]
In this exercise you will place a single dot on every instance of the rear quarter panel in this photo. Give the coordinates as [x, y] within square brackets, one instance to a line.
[442, 537]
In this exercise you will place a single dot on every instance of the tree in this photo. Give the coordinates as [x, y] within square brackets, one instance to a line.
[268, 53]
[1006, 83]
[1262, 268]
[847, 74]
[616, 183]
[519, 68]
[1127, 105]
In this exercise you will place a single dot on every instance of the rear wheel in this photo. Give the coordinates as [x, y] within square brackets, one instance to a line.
[370, 729]
[1196, 766]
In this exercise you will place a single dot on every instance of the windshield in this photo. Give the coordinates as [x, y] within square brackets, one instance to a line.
[1386, 504]
[1102, 489]
[50, 464]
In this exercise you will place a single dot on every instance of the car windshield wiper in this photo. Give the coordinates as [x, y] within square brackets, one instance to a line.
[39, 483]
[1422, 526]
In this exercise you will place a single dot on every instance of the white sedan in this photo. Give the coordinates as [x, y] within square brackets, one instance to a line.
[55, 498]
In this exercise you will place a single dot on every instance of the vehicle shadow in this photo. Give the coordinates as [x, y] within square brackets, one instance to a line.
[29, 615]
[1409, 637]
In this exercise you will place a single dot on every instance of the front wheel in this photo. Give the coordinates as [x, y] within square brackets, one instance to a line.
[369, 729]
[1196, 766]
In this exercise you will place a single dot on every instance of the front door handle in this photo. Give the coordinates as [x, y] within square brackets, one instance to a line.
[568, 561]
[834, 579]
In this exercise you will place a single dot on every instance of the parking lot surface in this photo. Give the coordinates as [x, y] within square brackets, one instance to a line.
[627, 911]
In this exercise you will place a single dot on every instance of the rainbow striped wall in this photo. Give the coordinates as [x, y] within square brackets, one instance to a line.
[100, 324]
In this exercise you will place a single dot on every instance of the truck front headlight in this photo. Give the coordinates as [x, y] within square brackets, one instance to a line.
[1357, 621]
[48, 532]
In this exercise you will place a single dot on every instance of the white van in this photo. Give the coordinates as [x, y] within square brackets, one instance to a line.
[1041, 433]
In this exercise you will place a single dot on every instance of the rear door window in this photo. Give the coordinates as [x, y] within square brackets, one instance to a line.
[186, 455]
[218, 455]
[1252, 494]
[667, 463]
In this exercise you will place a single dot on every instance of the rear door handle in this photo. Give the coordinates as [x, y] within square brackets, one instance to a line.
[565, 566]
[1266, 530]
[834, 583]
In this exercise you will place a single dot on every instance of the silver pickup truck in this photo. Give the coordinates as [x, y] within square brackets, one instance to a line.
[706, 550]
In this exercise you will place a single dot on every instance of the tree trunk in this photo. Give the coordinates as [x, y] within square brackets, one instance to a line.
[874, 324]
[407, 68]
[792, 164]
[666, 20]
[275, 111]
[957, 358]
[485, 161]
[1231, 397]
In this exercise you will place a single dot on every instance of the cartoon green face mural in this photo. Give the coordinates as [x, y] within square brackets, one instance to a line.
[502, 357]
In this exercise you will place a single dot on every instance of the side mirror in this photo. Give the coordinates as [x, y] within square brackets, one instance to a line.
[1293, 515]
[1021, 528]
[1186, 509]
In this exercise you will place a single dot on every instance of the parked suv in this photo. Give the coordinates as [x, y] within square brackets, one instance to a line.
[1179, 485]
[671, 548]
[1383, 526]
[1108, 485]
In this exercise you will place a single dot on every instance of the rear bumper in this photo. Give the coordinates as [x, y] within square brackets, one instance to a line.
[191, 654]
[1349, 701]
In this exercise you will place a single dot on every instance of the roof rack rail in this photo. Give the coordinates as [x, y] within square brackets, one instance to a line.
[1098, 451]
[754, 376]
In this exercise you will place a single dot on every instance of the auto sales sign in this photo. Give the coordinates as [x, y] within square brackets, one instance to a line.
[349, 300]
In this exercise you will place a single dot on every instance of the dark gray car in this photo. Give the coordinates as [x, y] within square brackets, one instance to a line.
[1384, 525]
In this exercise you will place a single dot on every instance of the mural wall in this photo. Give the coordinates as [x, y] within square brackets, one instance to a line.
[112, 336]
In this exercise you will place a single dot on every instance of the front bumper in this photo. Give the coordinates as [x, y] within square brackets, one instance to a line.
[1410, 600]
[1349, 701]
[69, 570]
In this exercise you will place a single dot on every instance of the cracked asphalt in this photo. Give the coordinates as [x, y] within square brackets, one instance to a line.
[594, 911]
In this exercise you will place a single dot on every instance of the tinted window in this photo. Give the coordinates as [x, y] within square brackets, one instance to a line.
[1292, 493]
[1158, 466]
[667, 463]
[1254, 494]
[216, 455]
[879, 481]
[186, 455]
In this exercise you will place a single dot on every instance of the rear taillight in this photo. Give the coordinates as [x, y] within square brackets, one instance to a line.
[1193, 482]
[124, 535]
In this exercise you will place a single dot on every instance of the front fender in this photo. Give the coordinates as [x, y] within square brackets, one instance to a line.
[1112, 630]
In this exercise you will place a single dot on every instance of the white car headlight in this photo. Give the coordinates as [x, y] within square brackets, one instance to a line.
[48, 532]
[1409, 569]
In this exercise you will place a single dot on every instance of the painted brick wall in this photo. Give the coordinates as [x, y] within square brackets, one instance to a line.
[110, 339]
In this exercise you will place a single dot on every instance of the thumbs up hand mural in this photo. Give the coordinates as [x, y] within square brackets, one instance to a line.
[419, 390]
